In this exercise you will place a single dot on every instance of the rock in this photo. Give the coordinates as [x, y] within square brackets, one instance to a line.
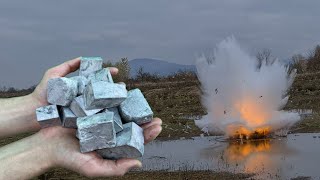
[130, 143]
[116, 118]
[101, 75]
[48, 116]
[136, 108]
[61, 91]
[69, 120]
[82, 83]
[96, 132]
[89, 65]
[101, 94]
[78, 108]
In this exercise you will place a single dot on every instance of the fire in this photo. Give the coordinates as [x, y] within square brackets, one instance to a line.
[254, 116]
[239, 152]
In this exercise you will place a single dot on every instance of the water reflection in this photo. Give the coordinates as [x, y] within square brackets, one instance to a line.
[284, 158]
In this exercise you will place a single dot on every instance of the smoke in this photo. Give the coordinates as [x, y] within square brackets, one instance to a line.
[238, 95]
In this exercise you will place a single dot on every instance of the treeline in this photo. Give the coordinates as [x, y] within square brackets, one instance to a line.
[309, 63]
[15, 90]
[124, 76]
[144, 76]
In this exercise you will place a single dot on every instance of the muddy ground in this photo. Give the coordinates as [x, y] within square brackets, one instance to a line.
[177, 102]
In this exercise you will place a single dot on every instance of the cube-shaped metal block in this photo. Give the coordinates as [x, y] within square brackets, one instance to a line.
[130, 143]
[77, 106]
[89, 65]
[61, 91]
[96, 132]
[101, 75]
[82, 83]
[101, 94]
[116, 118]
[48, 116]
[136, 108]
[69, 120]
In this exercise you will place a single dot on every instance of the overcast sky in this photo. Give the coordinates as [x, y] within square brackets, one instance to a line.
[38, 34]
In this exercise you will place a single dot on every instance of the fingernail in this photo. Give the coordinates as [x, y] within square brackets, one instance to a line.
[138, 165]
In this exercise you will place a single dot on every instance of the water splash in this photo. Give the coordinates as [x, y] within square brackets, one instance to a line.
[239, 97]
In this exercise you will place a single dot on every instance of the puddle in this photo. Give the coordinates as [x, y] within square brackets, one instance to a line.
[283, 158]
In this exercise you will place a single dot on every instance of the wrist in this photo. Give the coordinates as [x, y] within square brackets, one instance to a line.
[44, 151]
[37, 99]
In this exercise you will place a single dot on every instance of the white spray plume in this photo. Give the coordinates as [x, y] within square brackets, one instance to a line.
[236, 93]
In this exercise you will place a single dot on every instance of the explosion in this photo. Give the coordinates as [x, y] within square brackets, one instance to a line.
[243, 101]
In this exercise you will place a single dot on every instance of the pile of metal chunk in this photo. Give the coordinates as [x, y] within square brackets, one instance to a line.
[104, 113]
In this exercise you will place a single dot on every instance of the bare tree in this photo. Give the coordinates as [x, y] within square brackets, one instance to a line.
[265, 58]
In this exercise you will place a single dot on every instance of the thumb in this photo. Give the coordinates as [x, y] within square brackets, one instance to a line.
[65, 68]
[122, 166]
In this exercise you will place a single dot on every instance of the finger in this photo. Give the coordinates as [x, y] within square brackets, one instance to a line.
[151, 133]
[155, 121]
[113, 70]
[112, 168]
[66, 68]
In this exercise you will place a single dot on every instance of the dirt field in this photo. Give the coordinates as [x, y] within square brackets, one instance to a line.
[177, 102]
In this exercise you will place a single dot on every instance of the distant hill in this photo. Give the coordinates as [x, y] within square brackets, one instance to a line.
[160, 67]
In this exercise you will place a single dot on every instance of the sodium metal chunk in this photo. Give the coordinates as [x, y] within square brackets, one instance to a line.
[89, 65]
[116, 118]
[82, 83]
[69, 120]
[61, 91]
[48, 116]
[101, 75]
[78, 108]
[130, 143]
[136, 108]
[96, 132]
[103, 94]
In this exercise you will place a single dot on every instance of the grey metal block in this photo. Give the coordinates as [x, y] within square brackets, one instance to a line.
[116, 118]
[89, 65]
[48, 116]
[69, 120]
[130, 143]
[82, 83]
[77, 106]
[96, 132]
[61, 91]
[101, 75]
[136, 108]
[103, 94]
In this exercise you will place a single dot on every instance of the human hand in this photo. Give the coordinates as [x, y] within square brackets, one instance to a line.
[63, 149]
[40, 93]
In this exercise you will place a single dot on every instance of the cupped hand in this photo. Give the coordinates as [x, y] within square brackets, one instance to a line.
[40, 93]
[64, 151]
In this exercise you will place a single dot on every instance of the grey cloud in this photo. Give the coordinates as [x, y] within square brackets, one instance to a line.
[35, 35]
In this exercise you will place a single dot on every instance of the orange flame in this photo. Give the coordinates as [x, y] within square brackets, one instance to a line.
[239, 152]
[255, 117]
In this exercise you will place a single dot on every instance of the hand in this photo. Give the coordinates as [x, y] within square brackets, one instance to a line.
[40, 93]
[64, 151]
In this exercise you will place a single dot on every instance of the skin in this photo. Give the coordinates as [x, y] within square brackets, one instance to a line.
[54, 146]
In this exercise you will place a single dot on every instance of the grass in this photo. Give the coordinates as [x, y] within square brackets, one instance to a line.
[159, 175]
[175, 102]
